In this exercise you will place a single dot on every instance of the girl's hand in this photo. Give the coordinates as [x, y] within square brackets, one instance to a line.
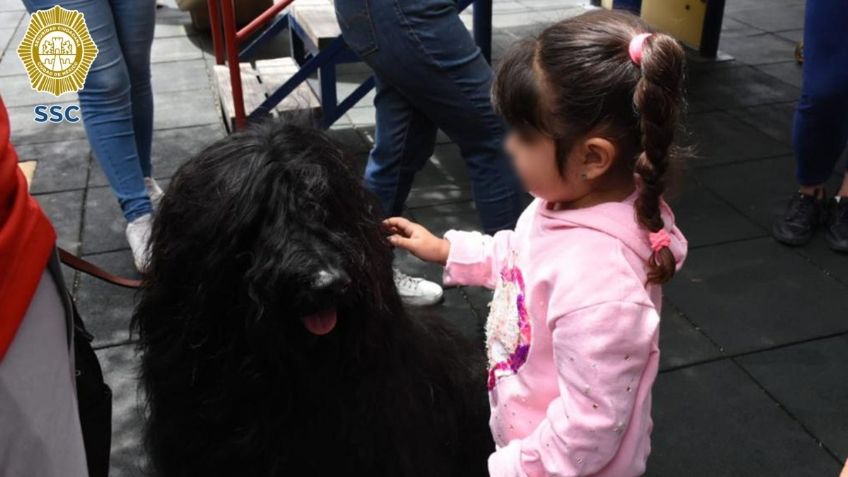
[417, 240]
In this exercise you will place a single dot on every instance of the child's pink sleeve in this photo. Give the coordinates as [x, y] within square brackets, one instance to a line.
[602, 354]
[476, 259]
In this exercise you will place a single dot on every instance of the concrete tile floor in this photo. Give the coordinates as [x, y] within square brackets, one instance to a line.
[753, 335]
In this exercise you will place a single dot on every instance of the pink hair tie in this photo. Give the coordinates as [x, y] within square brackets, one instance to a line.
[659, 240]
[635, 48]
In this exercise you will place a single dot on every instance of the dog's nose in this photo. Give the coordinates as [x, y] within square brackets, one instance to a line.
[331, 279]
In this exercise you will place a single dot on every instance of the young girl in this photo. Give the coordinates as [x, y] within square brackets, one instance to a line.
[572, 332]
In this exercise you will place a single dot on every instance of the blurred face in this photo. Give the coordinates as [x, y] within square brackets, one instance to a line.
[534, 159]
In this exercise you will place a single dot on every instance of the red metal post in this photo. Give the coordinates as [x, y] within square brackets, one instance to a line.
[263, 18]
[231, 46]
[215, 26]
[224, 13]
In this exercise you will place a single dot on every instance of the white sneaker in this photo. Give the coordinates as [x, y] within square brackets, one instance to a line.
[153, 191]
[138, 236]
[417, 291]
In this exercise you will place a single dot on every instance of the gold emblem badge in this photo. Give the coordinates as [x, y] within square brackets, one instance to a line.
[57, 51]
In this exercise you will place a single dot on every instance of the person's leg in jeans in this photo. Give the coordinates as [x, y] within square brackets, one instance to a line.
[423, 50]
[106, 105]
[404, 140]
[429, 74]
[134, 23]
[820, 131]
[113, 103]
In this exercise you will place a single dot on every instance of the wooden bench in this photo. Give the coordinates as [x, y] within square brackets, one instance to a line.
[317, 21]
[317, 47]
[258, 81]
[314, 33]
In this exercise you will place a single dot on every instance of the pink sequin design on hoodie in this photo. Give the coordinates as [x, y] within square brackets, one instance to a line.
[508, 329]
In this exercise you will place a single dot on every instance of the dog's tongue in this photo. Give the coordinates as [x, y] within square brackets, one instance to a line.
[320, 323]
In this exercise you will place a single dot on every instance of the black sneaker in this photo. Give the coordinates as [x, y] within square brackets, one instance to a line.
[803, 214]
[837, 224]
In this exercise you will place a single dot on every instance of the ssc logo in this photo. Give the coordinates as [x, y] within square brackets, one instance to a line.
[56, 113]
[57, 51]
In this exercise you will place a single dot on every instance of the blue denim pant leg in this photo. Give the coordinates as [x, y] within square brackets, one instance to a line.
[116, 102]
[404, 140]
[135, 22]
[435, 76]
[820, 132]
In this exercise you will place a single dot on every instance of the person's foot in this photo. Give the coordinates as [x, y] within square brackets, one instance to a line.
[803, 214]
[417, 291]
[153, 191]
[837, 224]
[138, 236]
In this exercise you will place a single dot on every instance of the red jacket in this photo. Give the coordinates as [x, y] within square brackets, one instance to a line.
[26, 240]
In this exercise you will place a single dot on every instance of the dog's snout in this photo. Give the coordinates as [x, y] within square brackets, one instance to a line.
[331, 279]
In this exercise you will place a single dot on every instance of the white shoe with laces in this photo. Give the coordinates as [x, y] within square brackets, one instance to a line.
[138, 236]
[417, 291]
[153, 191]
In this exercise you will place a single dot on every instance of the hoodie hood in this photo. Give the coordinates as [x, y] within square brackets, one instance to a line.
[618, 219]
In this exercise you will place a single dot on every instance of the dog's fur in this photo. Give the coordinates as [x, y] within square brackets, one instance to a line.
[236, 385]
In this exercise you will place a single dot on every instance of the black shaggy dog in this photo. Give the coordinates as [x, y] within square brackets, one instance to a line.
[273, 340]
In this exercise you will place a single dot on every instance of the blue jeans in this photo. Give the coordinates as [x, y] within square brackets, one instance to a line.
[820, 132]
[430, 75]
[117, 100]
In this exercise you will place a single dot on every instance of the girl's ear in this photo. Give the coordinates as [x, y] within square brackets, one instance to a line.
[598, 157]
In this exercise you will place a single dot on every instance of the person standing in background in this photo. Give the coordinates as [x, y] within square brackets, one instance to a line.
[820, 131]
[430, 75]
[117, 105]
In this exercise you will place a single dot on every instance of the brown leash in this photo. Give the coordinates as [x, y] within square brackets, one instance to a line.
[85, 266]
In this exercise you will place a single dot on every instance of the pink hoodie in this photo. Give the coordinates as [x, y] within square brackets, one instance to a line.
[572, 337]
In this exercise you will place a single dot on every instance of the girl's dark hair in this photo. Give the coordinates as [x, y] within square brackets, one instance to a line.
[577, 78]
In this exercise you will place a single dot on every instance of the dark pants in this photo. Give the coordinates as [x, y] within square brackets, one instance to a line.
[821, 120]
[430, 75]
